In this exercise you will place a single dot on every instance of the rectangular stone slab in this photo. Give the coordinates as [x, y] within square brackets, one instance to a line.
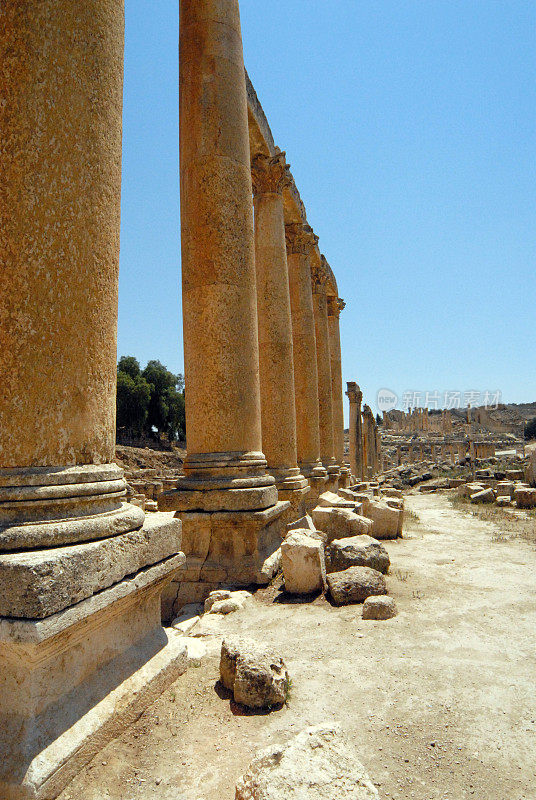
[39, 583]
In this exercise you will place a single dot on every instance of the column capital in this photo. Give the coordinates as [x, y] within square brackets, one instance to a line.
[353, 392]
[318, 278]
[300, 237]
[269, 174]
[335, 306]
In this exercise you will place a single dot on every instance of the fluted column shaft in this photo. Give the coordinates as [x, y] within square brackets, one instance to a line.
[278, 412]
[300, 240]
[60, 162]
[223, 412]
[335, 306]
[325, 400]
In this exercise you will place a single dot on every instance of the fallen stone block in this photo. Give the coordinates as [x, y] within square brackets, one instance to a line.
[504, 488]
[471, 488]
[188, 617]
[485, 496]
[355, 584]
[390, 492]
[503, 500]
[256, 675]
[317, 764]
[303, 523]
[302, 562]
[387, 521]
[356, 551]
[332, 500]
[270, 567]
[339, 523]
[525, 498]
[379, 607]
[224, 601]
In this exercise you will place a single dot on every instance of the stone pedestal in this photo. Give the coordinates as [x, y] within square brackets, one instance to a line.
[72, 681]
[278, 412]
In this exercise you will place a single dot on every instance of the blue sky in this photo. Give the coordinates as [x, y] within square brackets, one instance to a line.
[410, 127]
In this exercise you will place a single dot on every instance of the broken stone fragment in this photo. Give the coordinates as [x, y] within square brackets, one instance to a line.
[339, 523]
[302, 562]
[256, 675]
[485, 496]
[355, 584]
[317, 764]
[379, 607]
[356, 551]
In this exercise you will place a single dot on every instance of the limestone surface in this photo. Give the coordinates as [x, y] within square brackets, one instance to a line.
[356, 551]
[302, 562]
[387, 521]
[379, 607]
[318, 764]
[525, 498]
[485, 496]
[355, 584]
[339, 523]
[257, 676]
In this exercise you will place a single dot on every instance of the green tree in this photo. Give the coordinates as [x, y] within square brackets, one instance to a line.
[130, 365]
[530, 429]
[133, 396]
[166, 406]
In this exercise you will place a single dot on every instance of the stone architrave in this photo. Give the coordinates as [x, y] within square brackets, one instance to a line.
[325, 398]
[226, 500]
[300, 241]
[82, 649]
[278, 412]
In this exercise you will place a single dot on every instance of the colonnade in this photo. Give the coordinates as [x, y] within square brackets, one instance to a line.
[365, 450]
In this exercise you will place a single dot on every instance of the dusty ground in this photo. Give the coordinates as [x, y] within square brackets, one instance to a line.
[134, 458]
[441, 700]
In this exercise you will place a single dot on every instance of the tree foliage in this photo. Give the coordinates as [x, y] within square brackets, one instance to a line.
[149, 402]
[530, 429]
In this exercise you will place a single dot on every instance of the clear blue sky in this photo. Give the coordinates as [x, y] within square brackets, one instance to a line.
[410, 127]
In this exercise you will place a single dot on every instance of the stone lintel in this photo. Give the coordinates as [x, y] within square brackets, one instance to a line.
[39, 583]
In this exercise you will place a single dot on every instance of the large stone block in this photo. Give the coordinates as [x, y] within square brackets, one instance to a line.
[71, 682]
[38, 583]
[339, 523]
[302, 562]
[356, 551]
[387, 521]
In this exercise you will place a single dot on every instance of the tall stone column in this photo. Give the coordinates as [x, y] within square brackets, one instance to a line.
[335, 306]
[300, 239]
[355, 396]
[323, 361]
[278, 411]
[80, 578]
[226, 500]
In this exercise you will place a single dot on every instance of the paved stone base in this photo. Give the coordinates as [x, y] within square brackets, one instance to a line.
[225, 548]
[72, 682]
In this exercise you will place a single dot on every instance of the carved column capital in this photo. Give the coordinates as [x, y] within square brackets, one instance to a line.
[300, 237]
[354, 393]
[269, 174]
[318, 278]
[335, 306]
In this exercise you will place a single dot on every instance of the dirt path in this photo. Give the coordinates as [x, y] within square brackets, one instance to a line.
[441, 700]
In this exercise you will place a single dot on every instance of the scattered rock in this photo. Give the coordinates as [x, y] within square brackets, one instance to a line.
[387, 521]
[503, 500]
[256, 675]
[485, 496]
[189, 617]
[271, 567]
[223, 601]
[379, 607]
[356, 551]
[332, 500]
[355, 584]
[303, 523]
[339, 523]
[302, 562]
[525, 498]
[317, 764]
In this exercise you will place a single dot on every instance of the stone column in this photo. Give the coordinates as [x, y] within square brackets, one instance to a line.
[80, 579]
[225, 468]
[335, 306]
[325, 399]
[355, 396]
[278, 412]
[300, 239]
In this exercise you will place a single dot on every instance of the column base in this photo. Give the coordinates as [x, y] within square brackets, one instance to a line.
[256, 498]
[318, 487]
[297, 499]
[334, 473]
[225, 548]
[344, 478]
[73, 681]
